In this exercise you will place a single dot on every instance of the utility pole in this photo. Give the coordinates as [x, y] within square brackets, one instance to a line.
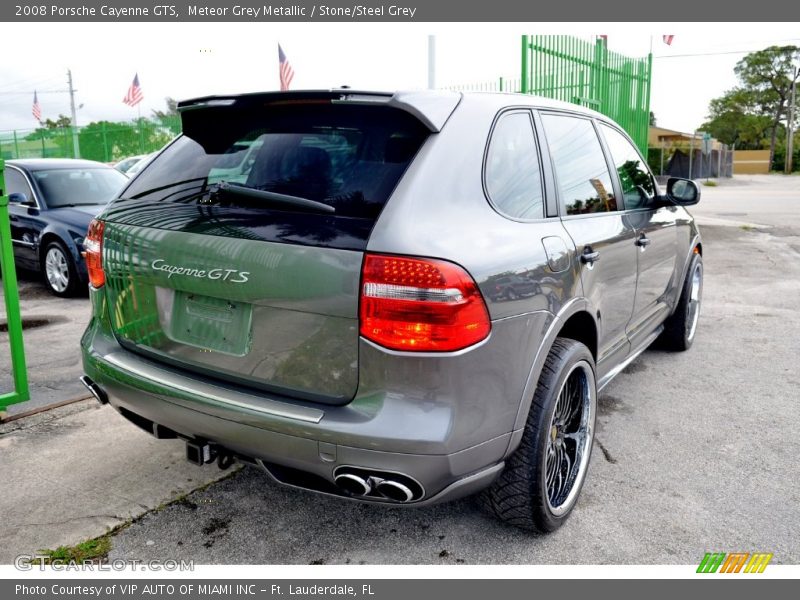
[75, 143]
[790, 125]
[431, 62]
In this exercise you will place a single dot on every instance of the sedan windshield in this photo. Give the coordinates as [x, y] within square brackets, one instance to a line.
[79, 187]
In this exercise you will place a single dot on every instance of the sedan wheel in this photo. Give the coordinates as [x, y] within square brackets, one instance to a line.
[59, 271]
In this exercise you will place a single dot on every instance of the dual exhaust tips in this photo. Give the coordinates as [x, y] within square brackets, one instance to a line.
[390, 486]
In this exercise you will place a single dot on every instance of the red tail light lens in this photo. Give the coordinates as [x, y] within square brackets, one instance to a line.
[93, 253]
[420, 305]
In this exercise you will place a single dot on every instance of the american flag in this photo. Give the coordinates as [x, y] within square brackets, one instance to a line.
[286, 71]
[37, 110]
[134, 95]
[668, 39]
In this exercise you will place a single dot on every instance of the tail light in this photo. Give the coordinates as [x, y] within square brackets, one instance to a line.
[93, 253]
[420, 305]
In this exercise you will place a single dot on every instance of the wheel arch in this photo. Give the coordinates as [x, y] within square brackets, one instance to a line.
[574, 321]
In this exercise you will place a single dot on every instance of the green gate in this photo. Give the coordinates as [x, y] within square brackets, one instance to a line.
[573, 70]
[11, 296]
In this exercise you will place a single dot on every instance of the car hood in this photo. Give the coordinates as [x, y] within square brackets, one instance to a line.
[77, 216]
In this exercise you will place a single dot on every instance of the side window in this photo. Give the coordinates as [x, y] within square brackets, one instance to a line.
[513, 175]
[583, 179]
[638, 187]
[16, 184]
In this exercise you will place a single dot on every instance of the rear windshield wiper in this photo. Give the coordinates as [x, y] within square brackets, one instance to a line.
[274, 198]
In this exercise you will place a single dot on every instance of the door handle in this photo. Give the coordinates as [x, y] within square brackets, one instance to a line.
[643, 241]
[589, 256]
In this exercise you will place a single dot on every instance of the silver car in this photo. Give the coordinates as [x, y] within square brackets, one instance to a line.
[402, 298]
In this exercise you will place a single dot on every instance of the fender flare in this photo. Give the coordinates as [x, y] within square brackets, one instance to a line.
[687, 261]
[575, 305]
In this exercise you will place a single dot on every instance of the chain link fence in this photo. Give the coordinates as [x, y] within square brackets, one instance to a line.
[104, 141]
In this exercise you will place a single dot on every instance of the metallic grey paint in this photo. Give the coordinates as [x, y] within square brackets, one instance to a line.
[447, 420]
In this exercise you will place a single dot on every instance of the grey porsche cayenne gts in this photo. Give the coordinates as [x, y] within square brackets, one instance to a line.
[396, 298]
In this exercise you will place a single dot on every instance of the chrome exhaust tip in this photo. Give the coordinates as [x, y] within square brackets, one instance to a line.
[394, 490]
[353, 484]
[94, 389]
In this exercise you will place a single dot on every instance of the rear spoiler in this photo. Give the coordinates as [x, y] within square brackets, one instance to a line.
[431, 108]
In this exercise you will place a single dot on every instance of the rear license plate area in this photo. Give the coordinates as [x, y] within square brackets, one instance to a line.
[210, 323]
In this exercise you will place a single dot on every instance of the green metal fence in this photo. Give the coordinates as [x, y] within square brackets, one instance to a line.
[13, 318]
[574, 70]
[105, 141]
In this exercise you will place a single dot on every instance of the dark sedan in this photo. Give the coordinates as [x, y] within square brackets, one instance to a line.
[51, 202]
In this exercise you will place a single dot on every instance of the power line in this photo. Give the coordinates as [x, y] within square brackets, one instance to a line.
[28, 92]
[707, 53]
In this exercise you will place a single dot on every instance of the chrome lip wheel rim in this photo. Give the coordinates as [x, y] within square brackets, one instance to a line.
[570, 438]
[56, 269]
[695, 297]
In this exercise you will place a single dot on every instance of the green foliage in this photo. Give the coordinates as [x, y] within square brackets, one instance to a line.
[169, 118]
[88, 551]
[750, 115]
[736, 118]
[57, 131]
[107, 141]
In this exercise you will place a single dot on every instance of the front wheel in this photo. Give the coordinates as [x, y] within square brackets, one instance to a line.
[681, 326]
[542, 480]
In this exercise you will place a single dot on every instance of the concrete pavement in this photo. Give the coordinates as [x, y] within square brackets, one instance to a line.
[696, 451]
[75, 472]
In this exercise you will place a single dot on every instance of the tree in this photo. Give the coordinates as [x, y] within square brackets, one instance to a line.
[768, 74]
[652, 119]
[57, 131]
[735, 118]
[169, 118]
[106, 140]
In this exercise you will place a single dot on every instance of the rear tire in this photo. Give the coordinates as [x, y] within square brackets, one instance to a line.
[680, 328]
[543, 478]
[58, 268]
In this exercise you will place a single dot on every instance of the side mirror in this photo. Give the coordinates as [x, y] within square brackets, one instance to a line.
[683, 192]
[20, 198]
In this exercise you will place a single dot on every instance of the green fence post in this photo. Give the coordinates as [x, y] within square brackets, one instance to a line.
[524, 83]
[105, 141]
[16, 145]
[42, 138]
[11, 295]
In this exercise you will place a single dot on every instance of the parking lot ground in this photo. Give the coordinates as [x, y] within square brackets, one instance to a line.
[51, 334]
[73, 473]
[695, 452]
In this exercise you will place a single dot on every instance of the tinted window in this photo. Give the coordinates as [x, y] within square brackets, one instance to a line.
[513, 178]
[78, 187]
[583, 179]
[638, 188]
[348, 157]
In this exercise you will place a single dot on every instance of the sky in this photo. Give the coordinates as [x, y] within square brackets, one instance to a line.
[185, 60]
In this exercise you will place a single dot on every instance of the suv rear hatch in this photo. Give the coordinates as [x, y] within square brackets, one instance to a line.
[237, 252]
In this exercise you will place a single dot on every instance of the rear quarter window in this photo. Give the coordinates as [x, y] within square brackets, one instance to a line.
[512, 173]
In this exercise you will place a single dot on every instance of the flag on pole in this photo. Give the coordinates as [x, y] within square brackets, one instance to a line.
[134, 95]
[668, 39]
[285, 69]
[37, 110]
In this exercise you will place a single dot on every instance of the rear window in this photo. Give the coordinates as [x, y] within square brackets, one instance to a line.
[346, 157]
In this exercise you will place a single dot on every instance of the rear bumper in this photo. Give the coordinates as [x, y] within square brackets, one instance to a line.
[437, 422]
[443, 477]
